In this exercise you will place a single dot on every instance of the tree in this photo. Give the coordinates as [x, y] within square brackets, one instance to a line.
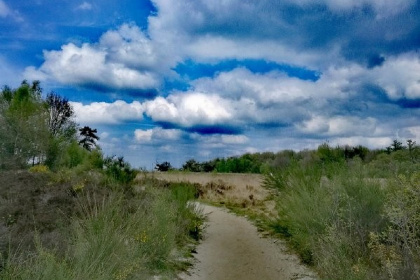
[89, 138]
[411, 145]
[60, 115]
[191, 165]
[396, 146]
[24, 133]
[164, 166]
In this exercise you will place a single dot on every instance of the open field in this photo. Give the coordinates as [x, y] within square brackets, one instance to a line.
[229, 189]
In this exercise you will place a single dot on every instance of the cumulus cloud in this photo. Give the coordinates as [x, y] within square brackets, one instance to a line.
[108, 113]
[399, 76]
[120, 61]
[339, 126]
[156, 134]
[189, 109]
[268, 30]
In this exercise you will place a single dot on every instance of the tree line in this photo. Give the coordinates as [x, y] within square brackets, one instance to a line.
[40, 130]
[325, 153]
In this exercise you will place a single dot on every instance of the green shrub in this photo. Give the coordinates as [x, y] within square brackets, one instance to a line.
[119, 170]
[327, 212]
[73, 155]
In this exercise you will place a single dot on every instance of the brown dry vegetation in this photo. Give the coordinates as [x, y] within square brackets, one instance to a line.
[34, 203]
[242, 193]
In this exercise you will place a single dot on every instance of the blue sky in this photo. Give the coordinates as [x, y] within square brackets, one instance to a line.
[179, 79]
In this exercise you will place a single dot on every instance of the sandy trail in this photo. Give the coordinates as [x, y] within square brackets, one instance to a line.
[233, 249]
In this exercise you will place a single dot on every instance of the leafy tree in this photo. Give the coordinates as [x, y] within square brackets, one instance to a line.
[397, 146]
[89, 138]
[24, 134]
[192, 165]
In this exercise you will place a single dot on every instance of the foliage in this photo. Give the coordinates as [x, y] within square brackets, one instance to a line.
[119, 170]
[23, 132]
[39, 169]
[351, 219]
[60, 115]
[33, 130]
[89, 138]
[192, 165]
[164, 166]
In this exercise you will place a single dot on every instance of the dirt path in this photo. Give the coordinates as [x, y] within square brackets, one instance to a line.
[233, 249]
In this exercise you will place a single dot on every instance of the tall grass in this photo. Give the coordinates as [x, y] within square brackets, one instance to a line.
[347, 224]
[119, 236]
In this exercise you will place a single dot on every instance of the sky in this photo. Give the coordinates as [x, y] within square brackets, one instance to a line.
[171, 80]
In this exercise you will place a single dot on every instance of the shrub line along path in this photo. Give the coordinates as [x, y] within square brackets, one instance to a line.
[232, 247]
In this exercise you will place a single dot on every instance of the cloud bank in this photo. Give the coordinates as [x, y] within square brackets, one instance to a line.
[359, 78]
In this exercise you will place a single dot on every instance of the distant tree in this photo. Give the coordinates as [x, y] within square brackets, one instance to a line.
[191, 165]
[60, 115]
[164, 166]
[411, 145]
[396, 146]
[89, 138]
[208, 166]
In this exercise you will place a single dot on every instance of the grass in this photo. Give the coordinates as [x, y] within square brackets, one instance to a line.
[347, 225]
[113, 234]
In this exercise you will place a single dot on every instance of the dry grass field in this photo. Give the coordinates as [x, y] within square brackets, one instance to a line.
[235, 191]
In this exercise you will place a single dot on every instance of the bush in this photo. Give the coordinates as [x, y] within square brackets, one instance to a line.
[119, 170]
[39, 169]
[328, 212]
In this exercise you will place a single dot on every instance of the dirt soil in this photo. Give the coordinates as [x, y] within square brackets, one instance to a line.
[232, 247]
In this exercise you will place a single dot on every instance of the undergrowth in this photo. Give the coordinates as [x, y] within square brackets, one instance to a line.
[105, 232]
[347, 222]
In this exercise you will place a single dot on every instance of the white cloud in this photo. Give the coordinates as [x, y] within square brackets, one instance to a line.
[200, 36]
[366, 141]
[85, 6]
[119, 61]
[143, 135]
[155, 134]
[399, 76]
[129, 46]
[189, 109]
[108, 113]
[339, 126]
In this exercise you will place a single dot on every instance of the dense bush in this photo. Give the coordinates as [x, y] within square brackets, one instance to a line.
[119, 170]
